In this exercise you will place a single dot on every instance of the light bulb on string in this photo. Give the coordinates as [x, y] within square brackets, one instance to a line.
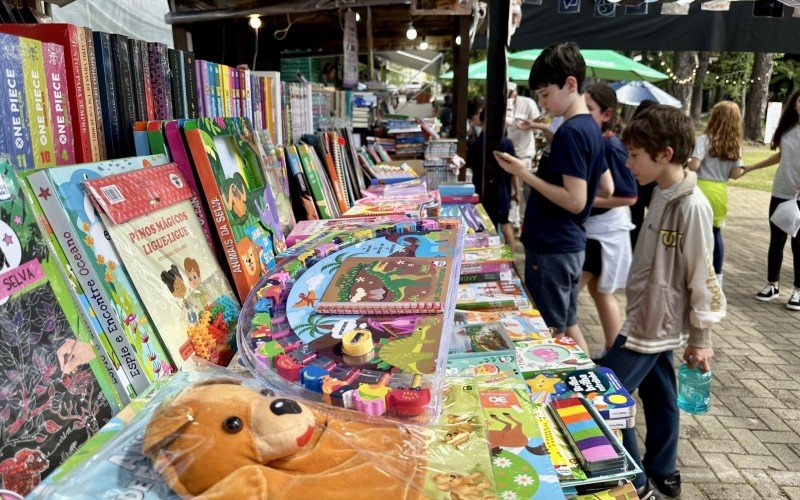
[358, 17]
[411, 33]
[255, 21]
[423, 45]
[458, 40]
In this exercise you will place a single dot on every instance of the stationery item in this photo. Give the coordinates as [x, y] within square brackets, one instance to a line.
[598, 385]
[495, 295]
[480, 338]
[483, 365]
[154, 227]
[520, 325]
[387, 285]
[558, 354]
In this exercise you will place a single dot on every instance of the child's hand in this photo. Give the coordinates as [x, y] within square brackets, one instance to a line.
[744, 170]
[698, 356]
[508, 163]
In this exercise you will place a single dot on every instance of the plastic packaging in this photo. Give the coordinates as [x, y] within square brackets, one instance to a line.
[212, 431]
[694, 390]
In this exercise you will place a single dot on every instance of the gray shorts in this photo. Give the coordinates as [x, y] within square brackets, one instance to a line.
[552, 279]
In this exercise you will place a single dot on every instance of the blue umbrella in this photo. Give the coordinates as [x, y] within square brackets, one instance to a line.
[635, 92]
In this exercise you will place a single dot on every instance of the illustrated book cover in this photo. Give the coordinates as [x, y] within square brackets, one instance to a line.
[52, 382]
[502, 295]
[480, 338]
[388, 285]
[154, 227]
[554, 355]
[599, 385]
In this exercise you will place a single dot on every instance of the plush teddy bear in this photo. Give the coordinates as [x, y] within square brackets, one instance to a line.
[220, 439]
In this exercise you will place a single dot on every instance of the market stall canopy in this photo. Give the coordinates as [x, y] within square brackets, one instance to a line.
[477, 71]
[649, 27]
[428, 61]
[605, 64]
[635, 92]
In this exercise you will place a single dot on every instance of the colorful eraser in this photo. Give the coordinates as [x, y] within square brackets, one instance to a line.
[357, 342]
[288, 368]
[312, 377]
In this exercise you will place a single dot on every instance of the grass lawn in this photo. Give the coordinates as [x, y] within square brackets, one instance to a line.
[760, 179]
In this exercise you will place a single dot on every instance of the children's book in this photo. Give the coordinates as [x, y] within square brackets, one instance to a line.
[520, 325]
[153, 226]
[522, 467]
[412, 210]
[96, 265]
[305, 228]
[498, 253]
[303, 203]
[550, 355]
[484, 365]
[388, 285]
[625, 491]
[480, 338]
[598, 385]
[458, 462]
[233, 178]
[52, 381]
[498, 295]
[561, 456]
[278, 180]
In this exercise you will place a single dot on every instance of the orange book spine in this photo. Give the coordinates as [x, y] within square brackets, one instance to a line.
[88, 98]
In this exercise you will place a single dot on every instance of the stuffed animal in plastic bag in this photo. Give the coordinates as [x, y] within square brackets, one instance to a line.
[220, 439]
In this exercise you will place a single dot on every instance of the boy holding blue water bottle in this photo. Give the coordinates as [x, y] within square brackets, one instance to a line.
[672, 291]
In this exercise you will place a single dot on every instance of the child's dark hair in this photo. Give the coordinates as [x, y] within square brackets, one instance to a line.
[659, 127]
[642, 106]
[606, 98]
[555, 64]
[169, 277]
[474, 106]
[789, 119]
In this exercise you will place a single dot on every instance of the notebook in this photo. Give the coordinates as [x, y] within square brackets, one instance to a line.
[388, 285]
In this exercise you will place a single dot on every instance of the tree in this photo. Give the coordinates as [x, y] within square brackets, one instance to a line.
[697, 90]
[684, 68]
[785, 77]
[756, 98]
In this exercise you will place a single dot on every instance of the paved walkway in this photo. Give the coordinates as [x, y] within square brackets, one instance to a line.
[748, 445]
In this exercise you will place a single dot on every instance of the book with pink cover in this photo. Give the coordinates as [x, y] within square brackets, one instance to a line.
[388, 285]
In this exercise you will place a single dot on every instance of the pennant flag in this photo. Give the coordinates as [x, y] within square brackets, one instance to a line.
[716, 5]
[767, 8]
[569, 6]
[639, 10]
[604, 8]
[674, 9]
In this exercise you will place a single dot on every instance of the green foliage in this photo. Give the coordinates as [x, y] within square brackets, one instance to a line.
[785, 77]
[729, 71]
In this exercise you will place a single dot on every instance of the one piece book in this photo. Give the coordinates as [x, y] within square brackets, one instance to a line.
[598, 385]
[550, 355]
[480, 338]
[388, 285]
[14, 104]
[152, 224]
[233, 178]
[497, 295]
[44, 152]
[82, 235]
[52, 382]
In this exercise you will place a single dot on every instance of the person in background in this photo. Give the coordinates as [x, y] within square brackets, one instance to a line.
[673, 295]
[785, 186]
[608, 244]
[498, 189]
[572, 171]
[474, 124]
[446, 116]
[521, 115]
[717, 157]
[645, 192]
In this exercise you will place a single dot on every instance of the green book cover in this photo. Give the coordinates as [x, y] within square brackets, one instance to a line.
[314, 182]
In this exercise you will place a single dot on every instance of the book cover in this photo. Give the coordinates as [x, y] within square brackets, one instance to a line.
[82, 235]
[554, 355]
[480, 338]
[306, 228]
[303, 203]
[51, 400]
[40, 118]
[521, 464]
[520, 325]
[388, 285]
[598, 385]
[149, 103]
[153, 226]
[137, 73]
[457, 459]
[278, 181]
[155, 138]
[88, 97]
[314, 181]
[484, 365]
[140, 139]
[15, 110]
[94, 85]
[159, 77]
[65, 35]
[192, 87]
[203, 88]
[233, 177]
[58, 98]
[502, 295]
[125, 99]
[108, 93]
[175, 90]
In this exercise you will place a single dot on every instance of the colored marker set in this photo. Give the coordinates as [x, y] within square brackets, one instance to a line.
[591, 441]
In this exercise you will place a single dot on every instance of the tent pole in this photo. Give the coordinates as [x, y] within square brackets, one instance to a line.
[496, 94]
[459, 87]
[370, 54]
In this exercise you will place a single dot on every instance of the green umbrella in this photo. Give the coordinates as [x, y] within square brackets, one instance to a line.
[605, 64]
[477, 71]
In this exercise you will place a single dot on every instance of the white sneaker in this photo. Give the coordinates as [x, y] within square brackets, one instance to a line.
[768, 293]
[794, 301]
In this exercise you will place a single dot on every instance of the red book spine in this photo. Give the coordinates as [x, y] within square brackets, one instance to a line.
[56, 76]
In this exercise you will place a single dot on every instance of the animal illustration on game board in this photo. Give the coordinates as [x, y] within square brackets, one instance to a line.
[463, 487]
[420, 246]
[510, 435]
[415, 353]
[383, 281]
[459, 429]
[236, 201]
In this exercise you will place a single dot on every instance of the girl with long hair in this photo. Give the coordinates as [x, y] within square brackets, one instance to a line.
[608, 244]
[785, 186]
[717, 157]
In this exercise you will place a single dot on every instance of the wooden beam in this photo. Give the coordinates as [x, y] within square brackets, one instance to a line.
[495, 109]
[460, 84]
[370, 56]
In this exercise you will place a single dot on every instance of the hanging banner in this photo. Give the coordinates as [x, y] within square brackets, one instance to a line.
[639, 10]
[716, 5]
[569, 6]
[604, 8]
[350, 46]
[674, 9]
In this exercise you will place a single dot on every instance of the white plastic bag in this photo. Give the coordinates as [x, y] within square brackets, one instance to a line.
[787, 217]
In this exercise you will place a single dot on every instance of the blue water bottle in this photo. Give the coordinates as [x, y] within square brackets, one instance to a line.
[694, 390]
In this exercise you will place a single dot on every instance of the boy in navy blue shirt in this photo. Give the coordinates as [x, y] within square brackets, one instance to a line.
[572, 171]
